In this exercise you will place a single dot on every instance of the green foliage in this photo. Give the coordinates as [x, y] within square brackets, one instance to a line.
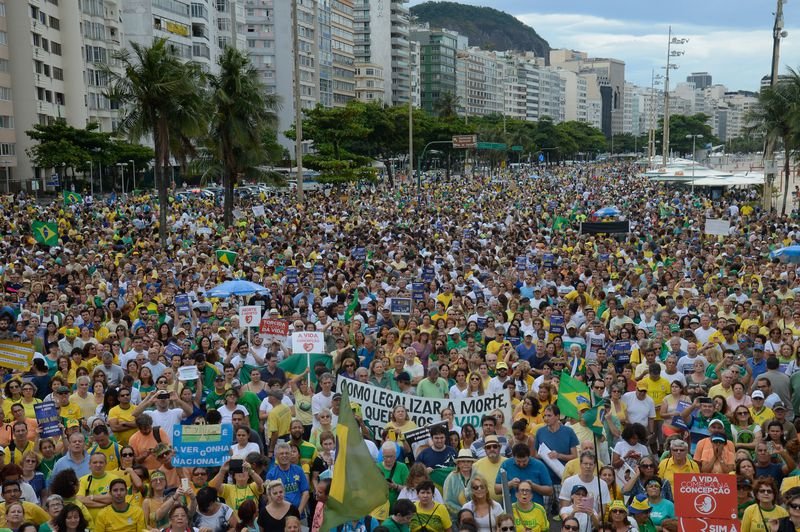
[579, 137]
[485, 27]
[681, 125]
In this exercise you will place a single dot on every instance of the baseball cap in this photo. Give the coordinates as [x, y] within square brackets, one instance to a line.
[718, 438]
[501, 365]
[757, 394]
[578, 488]
[639, 505]
[62, 389]
[454, 330]
[778, 406]
[403, 376]
[716, 422]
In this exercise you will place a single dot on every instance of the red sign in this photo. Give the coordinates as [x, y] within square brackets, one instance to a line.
[687, 524]
[705, 495]
[276, 327]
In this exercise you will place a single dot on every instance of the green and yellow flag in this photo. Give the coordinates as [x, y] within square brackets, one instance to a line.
[227, 257]
[45, 232]
[594, 419]
[560, 222]
[357, 485]
[571, 394]
[71, 198]
[351, 308]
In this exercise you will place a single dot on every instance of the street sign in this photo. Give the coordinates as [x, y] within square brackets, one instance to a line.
[705, 495]
[541, 157]
[492, 146]
[53, 181]
[516, 148]
[465, 141]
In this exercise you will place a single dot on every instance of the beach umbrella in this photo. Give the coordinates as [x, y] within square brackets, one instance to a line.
[237, 287]
[787, 254]
[605, 212]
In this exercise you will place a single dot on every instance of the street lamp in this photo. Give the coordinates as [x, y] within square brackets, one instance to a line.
[91, 177]
[121, 167]
[133, 164]
[694, 158]
[670, 66]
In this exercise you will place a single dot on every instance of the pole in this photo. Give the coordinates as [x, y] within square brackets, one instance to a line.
[665, 139]
[694, 161]
[410, 141]
[769, 149]
[298, 112]
[8, 178]
[91, 178]
[100, 167]
[133, 164]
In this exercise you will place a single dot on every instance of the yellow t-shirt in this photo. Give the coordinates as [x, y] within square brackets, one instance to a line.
[753, 519]
[485, 468]
[437, 519]
[33, 513]
[667, 469]
[15, 456]
[534, 519]
[789, 483]
[110, 520]
[112, 456]
[70, 412]
[279, 420]
[763, 415]
[87, 405]
[98, 486]
[122, 415]
[235, 496]
[657, 391]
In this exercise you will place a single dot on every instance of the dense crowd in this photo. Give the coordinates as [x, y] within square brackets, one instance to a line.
[688, 341]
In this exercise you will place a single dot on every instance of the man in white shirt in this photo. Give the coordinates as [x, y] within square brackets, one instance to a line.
[704, 332]
[137, 348]
[640, 407]
[163, 416]
[324, 398]
[671, 373]
[686, 363]
[497, 382]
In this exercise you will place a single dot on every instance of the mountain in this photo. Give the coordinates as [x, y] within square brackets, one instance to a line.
[485, 27]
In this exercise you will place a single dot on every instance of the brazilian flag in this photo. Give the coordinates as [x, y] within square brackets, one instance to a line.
[45, 232]
[572, 393]
[72, 198]
[594, 418]
[227, 257]
[357, 485]
[296, 364]
[560, 222]
[351, 308]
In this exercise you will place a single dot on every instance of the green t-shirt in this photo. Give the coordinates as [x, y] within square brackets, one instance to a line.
[392, 526]
[215, 400]
[436, 390]
[251, 402]
[398, 476]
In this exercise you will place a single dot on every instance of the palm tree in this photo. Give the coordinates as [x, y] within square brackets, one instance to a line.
[776, 117]
[447, 105]
[242, 112]
[158, 95]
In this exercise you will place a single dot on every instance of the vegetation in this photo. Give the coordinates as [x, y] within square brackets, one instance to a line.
[485, 27]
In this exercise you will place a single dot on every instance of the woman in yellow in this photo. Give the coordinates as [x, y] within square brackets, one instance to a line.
[247, 485]
[397, 425]
[528, 516]
[127, 473]
[531, 411]
[28, 400]
[12, 395]
[758, 516]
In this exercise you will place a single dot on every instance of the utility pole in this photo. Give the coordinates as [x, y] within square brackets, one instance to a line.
[298, 111]
[769, 150]
[670, 54]
[133, 173]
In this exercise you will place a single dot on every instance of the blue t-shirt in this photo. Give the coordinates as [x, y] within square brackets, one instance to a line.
[526, 353]
[663, 510]
[772, 470]
[433, 458]
[535, 471]
[561, 441]
[295, 482]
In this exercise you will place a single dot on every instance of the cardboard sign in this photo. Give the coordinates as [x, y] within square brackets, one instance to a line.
[428, 273]
[557, 324]
[360, 253]
[201, 445]
[258, 211]
[686, 524]
[173, 349]
[401, 306]
[188, 373]
[249, 316]
[418, 292]
[275, 327]
[705, 495]
[717, 226]
[16, 355]
[421, 434]
[291, 275]
[308, 342]
[49, 419]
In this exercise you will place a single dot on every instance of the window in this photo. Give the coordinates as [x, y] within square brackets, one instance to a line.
[45, 44]
[37, 39]
[55, 48]
[2, 9]
[60, 98]
[58, 74]
[5, 93]
[6, 122]
[3, 38]
[8, 148]
[4, 65]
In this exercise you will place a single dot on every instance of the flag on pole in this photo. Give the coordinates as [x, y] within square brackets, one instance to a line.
[594, 418]
[357, 485]
[572, 393]
[226, 256]
[295, 365]
[560, 222]
[351, 308]
[45, 232]
[72, 198]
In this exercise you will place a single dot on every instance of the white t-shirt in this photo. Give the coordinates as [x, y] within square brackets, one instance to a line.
[639, 411]
[167, 420]
[251, 447]
[227, 414]
[319, 402]
[591, 489]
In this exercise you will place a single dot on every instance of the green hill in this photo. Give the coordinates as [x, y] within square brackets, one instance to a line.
[485, 27]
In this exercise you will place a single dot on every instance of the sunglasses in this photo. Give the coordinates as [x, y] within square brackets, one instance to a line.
[618, 511]
[126, 455]
[507, 528]
[765, 491]
[478, 487]
[794, 506]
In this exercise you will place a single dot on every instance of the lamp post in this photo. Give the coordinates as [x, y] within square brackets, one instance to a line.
[769, 150]
[655, 79]
[670, 66]
[91, 177]
[121, 167]
[694, 158]
[133, 173]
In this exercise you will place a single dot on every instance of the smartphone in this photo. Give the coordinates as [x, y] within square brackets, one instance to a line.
[185, 484]
[236, 466]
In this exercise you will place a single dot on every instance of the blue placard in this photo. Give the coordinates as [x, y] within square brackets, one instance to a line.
[291, 275]
[319, 272]
[401, 306]
[548, 260]
[173, 349]
[201, 445]
[522, 263]
[182, 304]
[557, 324]
[360, 253]
[418, 291]
[541, 157]
[468, 233]
[49, 419]
[677, 421]
[620, 352]
[428, 273]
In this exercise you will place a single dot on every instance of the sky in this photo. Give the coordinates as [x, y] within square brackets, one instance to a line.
[730, 39]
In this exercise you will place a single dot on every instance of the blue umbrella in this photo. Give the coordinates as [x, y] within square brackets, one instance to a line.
[787, 254]
[237, 287]
[605, 212]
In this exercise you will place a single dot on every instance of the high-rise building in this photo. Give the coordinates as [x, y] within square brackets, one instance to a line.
[482, 73]
[437, 68]
[701, 80]
[381, 38]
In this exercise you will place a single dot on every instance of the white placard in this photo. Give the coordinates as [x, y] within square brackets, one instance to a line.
[718, 226]
[554, 464]
[258, 211]
[188, 373]
[308, 342]
[250, 316]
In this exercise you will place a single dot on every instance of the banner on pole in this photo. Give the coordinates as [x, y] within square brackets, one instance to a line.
[249, 316]
[717, 226]
[274, 327]
[377, 403]
[705, 495]
[308, 342]
[201, 445]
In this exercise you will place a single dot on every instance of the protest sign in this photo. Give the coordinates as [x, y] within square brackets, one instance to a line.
[557, 324]
[291, 275]
[717, 226]
[201, 445]
[418, 291]
[49, 419]
[677, 421]
[182, 304]
[694, 524]
[705, 495]
[421, 433]
[319, 272]
[360, 253]
[274, 327]
[308, 342]
[377, 403]
[548, 260]
[401, 305]
[258, 211]
[173, 349]
[188, 373]
[249, 316]
[428, 273]
[16, 355]
[522, 263]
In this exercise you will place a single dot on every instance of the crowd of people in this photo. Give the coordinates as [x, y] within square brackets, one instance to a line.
[690, 343]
